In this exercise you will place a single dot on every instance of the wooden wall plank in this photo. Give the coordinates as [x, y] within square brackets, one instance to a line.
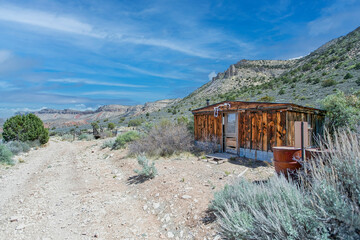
[270, 130]
[264, 131]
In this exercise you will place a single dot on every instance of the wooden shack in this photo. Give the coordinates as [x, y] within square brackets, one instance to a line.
[251, 129]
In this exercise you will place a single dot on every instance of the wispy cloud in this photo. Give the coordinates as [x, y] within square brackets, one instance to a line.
[6, 86]
[173, 75]
[69, 24]
[340, 16]
[46, 20]
[93, 82]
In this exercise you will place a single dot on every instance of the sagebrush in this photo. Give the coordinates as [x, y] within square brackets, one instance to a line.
[86, 137]
[17, 147]
[6, 155]
[108, 144]
[123, 139]
[164, 139]
[148, 170]
[333, 182]
[323, 204]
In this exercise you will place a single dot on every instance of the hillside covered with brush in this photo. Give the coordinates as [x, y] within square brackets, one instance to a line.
[333, 67]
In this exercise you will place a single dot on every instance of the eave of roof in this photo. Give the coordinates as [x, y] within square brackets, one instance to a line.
[285, 105]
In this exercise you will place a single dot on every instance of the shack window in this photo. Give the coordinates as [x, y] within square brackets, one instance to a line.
[231, 120]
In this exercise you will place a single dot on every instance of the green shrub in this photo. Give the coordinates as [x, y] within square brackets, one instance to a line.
[135, 122]
[121, 120]
[266, 99]
[323, 204]
[111, 126]
[125, 138]
[358, 81]
[328, 82]
[86, 137]
[67, 137]
[316, 80]
[148, 170]
[342, 110]
[357, 66]
[5, 155]
[277, 209]
[17, 147]
[281, 92]
[108, 144]
[332, 181]
[25, 128]
[95, 125]
[306, 67]
[348, 76]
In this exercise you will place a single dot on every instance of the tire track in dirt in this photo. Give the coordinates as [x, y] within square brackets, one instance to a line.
[68, 191]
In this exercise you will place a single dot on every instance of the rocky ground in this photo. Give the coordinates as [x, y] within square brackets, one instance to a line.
[76, 190]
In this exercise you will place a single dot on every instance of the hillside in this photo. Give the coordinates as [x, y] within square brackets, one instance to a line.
[68, 117]
[332, 67]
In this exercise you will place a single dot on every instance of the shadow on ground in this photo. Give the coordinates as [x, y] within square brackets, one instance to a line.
[250, 163]
[136, 179]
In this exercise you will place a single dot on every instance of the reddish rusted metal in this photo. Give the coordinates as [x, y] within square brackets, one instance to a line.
[285, 159]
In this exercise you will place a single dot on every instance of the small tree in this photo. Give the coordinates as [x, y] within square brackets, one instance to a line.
[135, 122]
[111, 126]
[342, 110]
[25, 128]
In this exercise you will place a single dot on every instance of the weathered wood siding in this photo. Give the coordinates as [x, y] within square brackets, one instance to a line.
[261, 130]
[206, 126]
[259, 127]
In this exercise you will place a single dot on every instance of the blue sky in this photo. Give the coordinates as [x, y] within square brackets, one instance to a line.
[82, 54]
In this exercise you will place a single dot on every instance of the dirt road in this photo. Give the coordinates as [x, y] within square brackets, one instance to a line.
[76, 190]
[67, 191]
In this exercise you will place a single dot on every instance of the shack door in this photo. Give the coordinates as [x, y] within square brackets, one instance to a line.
[230, 136]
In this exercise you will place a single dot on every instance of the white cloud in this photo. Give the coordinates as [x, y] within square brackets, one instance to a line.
[92, 82]
[341, 16]
[46, 20]
[116, 93]
[70, 24]
[211, 75]
[6, 86]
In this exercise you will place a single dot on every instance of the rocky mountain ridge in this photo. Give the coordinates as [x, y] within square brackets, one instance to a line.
[69, 117]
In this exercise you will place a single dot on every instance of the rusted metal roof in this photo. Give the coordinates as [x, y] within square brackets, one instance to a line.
[257, 106]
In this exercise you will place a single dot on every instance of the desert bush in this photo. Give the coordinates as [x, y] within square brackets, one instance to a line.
[25, 128]
[357, 66]
[266, 99]
[86, 137]
[125, 138]
[17, 147]
[135, 122]
[332, 180]
[108, 144]
[67, 137]
[148, 170]
[111, 126]
[328, 82]
[276, 209]
[5, 155]
[348, 76]
[323, 204]
[164, 139]
[34, 144]
[342, 110]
